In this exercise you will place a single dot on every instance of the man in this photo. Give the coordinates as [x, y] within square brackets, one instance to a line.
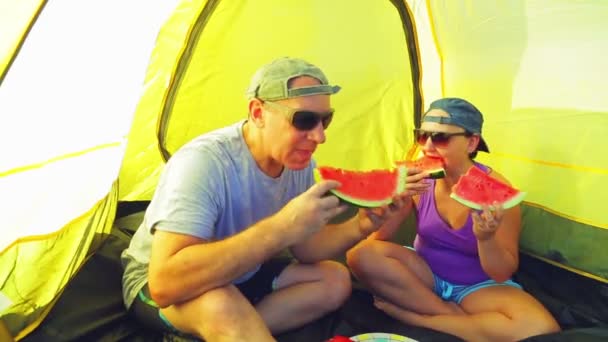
[202, 263]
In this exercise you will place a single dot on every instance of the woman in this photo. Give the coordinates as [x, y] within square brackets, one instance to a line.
[457, 277]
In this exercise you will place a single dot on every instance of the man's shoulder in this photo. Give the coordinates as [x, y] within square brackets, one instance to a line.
[215, 142]
[224, 134]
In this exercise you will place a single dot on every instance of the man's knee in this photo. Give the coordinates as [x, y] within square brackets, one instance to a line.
[336, 284]
[218, 312]
[225, 306]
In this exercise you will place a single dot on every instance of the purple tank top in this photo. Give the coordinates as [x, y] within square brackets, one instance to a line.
[451, 253]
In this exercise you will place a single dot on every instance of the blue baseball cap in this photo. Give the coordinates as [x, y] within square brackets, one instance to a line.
[460, 113]
[271, 81]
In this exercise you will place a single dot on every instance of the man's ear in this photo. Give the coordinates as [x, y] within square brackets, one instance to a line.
[256, 112]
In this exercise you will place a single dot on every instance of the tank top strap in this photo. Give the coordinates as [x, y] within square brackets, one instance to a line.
[483, 167]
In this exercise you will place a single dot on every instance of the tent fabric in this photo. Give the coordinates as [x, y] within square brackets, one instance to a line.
[96, 100]
[28, 299]
[80, 316]
[67, 97]
[570, 244]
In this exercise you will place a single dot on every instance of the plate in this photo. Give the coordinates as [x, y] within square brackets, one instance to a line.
[381, 337]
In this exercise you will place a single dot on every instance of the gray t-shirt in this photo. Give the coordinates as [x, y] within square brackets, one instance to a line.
[211, 188]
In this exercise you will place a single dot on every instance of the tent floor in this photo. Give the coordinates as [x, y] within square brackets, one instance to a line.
[91, 308]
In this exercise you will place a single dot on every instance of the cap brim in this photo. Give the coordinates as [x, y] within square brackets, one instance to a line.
[482, 146]
[322, 89]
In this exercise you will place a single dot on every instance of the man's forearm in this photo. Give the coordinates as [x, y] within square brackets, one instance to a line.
[198, 268]
[329, 242]
[392, 225]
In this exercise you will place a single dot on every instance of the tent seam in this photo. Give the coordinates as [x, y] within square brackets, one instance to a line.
[177, 76]
[32, 238]
[437, 48]
[22, 40]
[57, 159]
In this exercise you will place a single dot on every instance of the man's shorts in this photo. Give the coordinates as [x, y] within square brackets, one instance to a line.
[255, 289]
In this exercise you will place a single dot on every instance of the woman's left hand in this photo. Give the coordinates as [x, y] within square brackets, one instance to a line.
[486, 222]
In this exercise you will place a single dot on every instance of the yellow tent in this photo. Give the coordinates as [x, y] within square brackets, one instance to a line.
[95, 97]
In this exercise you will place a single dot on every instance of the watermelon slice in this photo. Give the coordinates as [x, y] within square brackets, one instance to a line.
[367, 189]
[477, 188]
[432, 165]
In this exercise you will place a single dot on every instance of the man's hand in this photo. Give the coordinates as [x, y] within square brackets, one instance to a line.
[311, 210]
[486, 223]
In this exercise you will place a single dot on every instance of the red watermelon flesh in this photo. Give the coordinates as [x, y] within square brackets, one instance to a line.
[477, 188]
[434, 166]
[340, 338]
[369, 189]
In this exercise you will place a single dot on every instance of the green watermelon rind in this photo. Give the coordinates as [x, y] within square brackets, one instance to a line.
[359, 202]
[508, 204]
[401, 182]
[401, 179]
[436, 173]
[432, 173]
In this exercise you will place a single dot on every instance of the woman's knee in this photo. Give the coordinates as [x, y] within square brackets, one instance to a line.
[533, 324]
[548, 325]
[362, 258]
[526, 315]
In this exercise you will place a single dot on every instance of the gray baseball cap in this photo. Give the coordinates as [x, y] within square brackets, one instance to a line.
[270, 82]
[460, 113]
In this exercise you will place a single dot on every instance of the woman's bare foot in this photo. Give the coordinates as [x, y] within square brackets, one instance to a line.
[398, 313]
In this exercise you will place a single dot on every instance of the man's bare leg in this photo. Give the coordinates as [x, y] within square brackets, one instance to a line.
[222, 314]
[305, 293]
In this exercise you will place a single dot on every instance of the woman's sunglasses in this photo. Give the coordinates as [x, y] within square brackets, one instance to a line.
[302, 120]
[438, 138]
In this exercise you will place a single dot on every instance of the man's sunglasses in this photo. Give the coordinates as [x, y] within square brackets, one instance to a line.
[302, 120]
[438, 138]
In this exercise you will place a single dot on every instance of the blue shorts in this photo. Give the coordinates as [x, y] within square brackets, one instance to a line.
[456, 293]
